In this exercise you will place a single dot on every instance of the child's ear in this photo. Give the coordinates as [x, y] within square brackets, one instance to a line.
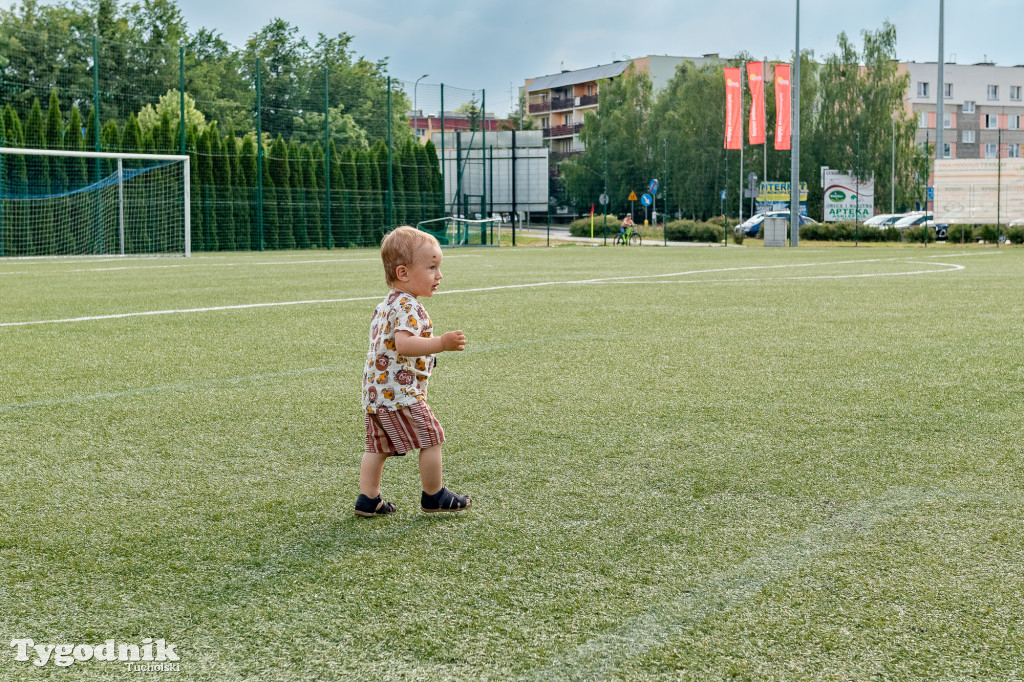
[402, 272]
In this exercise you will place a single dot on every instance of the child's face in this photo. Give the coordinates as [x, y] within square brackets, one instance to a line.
[421, 277]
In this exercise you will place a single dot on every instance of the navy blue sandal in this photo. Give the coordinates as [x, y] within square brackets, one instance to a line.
[444, 500]
[373, 506]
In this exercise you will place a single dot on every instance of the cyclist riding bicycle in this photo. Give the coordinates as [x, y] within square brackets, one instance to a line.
[627, 222]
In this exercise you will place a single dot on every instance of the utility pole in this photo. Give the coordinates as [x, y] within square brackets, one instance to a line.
[794, 188]
[940, 114]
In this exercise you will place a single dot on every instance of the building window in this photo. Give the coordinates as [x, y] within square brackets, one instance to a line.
[991, 121]
[922, 89]
[1013, 151]
[968, 137]
[922, 119]
[590, 89]
[947, 150]
[968, 106]
[1014, 122]
[948, 90]
[990, 150]
[947, 119]
[993, 92]
[1015, 93]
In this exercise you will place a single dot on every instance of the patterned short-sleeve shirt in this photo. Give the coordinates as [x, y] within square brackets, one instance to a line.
[390, 380]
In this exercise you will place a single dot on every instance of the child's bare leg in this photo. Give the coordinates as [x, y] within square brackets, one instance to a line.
[370, 472]
[430, 469]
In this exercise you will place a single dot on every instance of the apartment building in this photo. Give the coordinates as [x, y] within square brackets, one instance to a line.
[983, 108]
[426, 125]
[558, 103]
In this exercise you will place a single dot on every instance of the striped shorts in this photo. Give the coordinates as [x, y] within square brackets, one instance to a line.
[395, 432]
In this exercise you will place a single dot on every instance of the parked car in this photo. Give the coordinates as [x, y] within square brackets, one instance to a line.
[752, 225]
[883, 220]
[913, 219]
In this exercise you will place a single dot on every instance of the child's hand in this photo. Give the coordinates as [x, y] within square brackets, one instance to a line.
[455, 340]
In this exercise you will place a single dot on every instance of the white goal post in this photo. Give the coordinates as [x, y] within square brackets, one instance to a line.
[74, 203]
[457, 231]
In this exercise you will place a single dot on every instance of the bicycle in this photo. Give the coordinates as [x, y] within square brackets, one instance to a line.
[628, 238]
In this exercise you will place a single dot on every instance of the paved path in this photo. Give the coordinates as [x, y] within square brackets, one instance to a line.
[561, 234]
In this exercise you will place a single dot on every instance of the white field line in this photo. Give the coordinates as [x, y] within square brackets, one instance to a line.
[596, 280]
[951, 266]
[603, 656]
[209, 265]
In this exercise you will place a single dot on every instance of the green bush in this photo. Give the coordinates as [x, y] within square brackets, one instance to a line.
[581, 227]
[691, 231]
[960, 233]
[1015, 234]
[989, 233]
[920, 234]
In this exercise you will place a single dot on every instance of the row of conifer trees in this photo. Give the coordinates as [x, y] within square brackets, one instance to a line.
[228, 209]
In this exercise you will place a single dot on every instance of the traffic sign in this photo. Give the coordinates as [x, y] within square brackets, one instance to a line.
[646, 199]
[632, 196]
[603, 199]
[653, 187]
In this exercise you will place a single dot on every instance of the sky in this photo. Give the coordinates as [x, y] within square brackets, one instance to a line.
[496, 46]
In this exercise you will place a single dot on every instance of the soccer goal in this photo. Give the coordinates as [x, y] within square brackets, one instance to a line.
[456, 231]
[69, 203]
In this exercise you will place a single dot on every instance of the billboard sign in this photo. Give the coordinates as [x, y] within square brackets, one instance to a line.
[847, 198]
[978, 191]
[774, 196]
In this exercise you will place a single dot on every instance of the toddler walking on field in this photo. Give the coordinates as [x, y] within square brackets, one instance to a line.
[398, 366]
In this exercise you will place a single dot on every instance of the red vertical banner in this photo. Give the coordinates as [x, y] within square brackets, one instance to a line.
[783, 107]
[733, 109]
[755, 78]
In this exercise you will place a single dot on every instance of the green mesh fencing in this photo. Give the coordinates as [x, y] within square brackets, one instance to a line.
[308, 148]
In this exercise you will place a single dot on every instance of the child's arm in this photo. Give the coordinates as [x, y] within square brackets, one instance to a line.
[414, 346]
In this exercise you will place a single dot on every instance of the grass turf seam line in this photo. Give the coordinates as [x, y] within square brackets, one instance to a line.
[599, 657]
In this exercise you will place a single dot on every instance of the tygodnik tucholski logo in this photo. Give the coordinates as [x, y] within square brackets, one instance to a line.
[151, 655]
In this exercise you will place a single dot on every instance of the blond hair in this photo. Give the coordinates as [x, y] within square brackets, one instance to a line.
[399, 248]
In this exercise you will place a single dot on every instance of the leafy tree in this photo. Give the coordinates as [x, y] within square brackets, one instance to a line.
[247, 164]
[199, 224]
[472, 111]
[359, 86]
[150, 117]
[335, 195]
[860, 108]
[309, 127]
[38, 170]
[299, 196]
[623, 128]
[436, 181]
[222, 190]
[215, 77]
[15, 172]
[312, 159]
[689, 120]
[78, 177]
[284, 63]
[238, 193]
[280, 175]
[351, 226]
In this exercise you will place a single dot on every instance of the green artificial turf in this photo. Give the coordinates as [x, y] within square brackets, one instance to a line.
[686, 463]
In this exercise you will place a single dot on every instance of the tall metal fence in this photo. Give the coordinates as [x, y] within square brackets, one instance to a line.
[283, 155]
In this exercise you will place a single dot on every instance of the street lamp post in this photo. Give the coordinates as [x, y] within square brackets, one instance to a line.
[416, 111]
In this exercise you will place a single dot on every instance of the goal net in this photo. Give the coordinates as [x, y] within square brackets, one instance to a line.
[455, 231]
[64, 203]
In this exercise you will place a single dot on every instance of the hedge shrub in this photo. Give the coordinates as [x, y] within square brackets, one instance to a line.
[692, 231]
